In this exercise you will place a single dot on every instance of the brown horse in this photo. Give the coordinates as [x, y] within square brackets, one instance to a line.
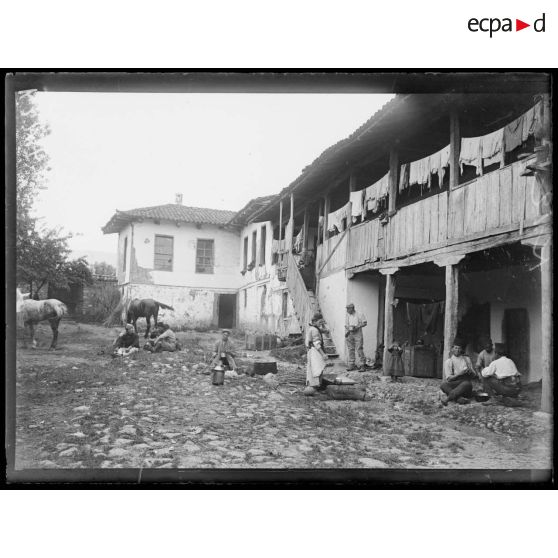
[144, 308]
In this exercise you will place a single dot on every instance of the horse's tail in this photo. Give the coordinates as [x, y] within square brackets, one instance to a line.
[164, 306]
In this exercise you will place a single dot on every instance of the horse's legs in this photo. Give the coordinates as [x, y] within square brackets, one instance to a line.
[54, 326]
[32, 334]
[148, 322]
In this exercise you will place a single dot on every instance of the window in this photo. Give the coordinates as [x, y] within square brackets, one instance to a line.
[163, 252]
[262, 245]
[245, 261]
[285, 304]
[125, 252]
[254, 240]
[204, 255]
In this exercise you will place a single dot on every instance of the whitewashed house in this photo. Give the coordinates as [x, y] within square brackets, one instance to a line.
[186, 257]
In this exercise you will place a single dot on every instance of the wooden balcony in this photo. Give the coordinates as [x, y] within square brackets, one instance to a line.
[500, 202]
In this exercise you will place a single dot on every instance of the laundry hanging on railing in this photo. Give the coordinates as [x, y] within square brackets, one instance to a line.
[335, 219]
[375, 193]
[492, 147]
[518, 131]
[419, 171]
[298, 242]
[439, 161]
[470, 153]
[403, 177]
[356, 199]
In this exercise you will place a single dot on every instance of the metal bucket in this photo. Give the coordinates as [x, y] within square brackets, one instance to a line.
[218, 378]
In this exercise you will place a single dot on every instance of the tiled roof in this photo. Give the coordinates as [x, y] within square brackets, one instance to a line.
[169, 212]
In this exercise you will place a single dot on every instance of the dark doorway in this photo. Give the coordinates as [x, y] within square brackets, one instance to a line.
[227, 310]
[474, 327]
[516, 335]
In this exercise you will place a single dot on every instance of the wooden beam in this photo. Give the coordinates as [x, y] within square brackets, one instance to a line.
[546, 315]
[392, 179]
[455, 149]
[326, 213]
[305, 226]
[388, 316]
[450, 316]
[291, 221]
[280, 219]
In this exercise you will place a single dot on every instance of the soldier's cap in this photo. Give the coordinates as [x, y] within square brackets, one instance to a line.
[350, 305]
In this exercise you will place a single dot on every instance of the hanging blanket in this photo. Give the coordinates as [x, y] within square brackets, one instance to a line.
[373, 194]
[470, 153]
[439, 161]
[335, 219]
[404, 177]
[419, 171]
[356, 203]
[492, 147]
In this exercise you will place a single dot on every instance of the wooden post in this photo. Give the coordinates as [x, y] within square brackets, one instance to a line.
[452, 300]
[455, 150]
[280, 220]
[305, 230]
[388, 310]
[326, 213]
[392, 179]
[291, 224]
[546, 315]
[352, 188]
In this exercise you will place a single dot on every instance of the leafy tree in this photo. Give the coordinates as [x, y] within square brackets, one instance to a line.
[42, 254]
[104, 268]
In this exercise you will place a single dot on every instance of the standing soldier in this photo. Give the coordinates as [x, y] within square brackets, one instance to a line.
[354, 322]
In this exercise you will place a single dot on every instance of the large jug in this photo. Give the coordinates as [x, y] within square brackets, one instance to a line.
[218, 378]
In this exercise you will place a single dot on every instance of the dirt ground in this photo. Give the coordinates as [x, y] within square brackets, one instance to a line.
[77, 407]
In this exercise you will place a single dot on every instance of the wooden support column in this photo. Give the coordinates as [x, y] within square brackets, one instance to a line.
[326, 213]
[305, 230]
[352, 188]
[455, 150]
[544, 243]
[389, 299]
[546, 315]
[392, 179]
[280, 219]
[291, 224]
[452, 300]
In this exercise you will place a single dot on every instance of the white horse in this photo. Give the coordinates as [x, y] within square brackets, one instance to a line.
[31, 312]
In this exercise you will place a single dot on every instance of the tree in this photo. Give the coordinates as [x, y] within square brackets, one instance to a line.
[104, 268]
[42, 254]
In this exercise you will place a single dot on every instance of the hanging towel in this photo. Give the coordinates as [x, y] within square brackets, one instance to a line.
[532, 121]
[373, 194]
[513, 134]
[404, 177]
[298, 242]
[419, 171]
[492, 147]
[439, 161]
[470, 153]
[356, 203]
[335, 219]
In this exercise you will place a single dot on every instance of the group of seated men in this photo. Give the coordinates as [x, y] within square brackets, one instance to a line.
[162, 338]
[496, 372]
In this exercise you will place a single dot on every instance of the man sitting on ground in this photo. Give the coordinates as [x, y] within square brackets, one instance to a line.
[501, 377]
[458, 375]
[486, 356]
[127, 342]
[224, 352]
[166, 341]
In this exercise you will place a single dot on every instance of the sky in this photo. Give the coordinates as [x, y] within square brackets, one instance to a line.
[113, 151]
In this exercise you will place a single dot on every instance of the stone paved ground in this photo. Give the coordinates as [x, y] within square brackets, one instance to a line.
[79, 408]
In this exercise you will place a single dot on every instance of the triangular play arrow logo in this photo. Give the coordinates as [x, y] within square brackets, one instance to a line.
[519, 25]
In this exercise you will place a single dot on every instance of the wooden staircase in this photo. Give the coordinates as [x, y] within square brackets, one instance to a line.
[305, 304]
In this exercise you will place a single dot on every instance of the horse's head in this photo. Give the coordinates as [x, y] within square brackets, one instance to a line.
[20, 297]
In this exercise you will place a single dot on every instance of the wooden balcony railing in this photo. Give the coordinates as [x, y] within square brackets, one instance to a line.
[498, 202]
[302, 303]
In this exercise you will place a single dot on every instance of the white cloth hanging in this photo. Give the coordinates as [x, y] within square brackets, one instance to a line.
[335, 219]
[439, 161]
[492, 147]
[298, 241]
[470, 153]
[419, 171]
[374, 193]
[356, 203]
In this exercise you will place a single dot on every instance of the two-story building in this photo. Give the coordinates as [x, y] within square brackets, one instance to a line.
[185, 257]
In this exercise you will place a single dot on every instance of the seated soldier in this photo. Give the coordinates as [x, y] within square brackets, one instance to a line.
[224, 352]
[501, 377]
[458, 376]
[165, 341]
[127, 342]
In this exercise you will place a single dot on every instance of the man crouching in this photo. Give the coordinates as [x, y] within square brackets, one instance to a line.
[458, 378]
[126, 343]
[166, 341]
